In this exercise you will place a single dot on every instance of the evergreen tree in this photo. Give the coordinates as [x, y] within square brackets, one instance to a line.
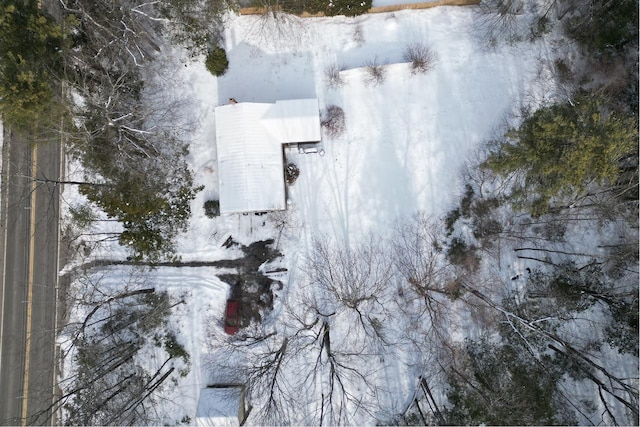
[197, 25]
[153, 207]
[603, 26]
[560, 150]
[31, 54]
[347, 7]
[503, 384]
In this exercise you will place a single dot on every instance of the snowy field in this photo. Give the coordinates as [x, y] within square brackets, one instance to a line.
[405, 139]
[405, 143]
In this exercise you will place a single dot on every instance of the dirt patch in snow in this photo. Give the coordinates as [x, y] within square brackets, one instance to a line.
[249, 286]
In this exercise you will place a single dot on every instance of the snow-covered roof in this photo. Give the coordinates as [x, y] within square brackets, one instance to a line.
[249, 138]
[219, 407]
[294, 120]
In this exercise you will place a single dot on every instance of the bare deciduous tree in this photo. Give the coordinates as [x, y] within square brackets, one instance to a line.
[500, 19]
[612, 389]
[127, 132]
[279, 21]
[331, 339]
[108, 328]
[425, 273]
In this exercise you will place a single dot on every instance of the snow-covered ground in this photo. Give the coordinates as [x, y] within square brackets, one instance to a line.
[405, 142]
[405, 139]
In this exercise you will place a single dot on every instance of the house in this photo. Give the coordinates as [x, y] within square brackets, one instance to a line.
[250, 138]
[222, 405]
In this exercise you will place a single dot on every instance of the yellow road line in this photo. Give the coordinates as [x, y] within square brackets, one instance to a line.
[32, 249]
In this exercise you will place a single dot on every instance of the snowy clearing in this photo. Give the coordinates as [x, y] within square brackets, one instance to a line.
[407, 138]
[404, 144]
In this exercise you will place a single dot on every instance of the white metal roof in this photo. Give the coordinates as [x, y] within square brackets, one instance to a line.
[249, 138]
[294, 120]
[218, 407]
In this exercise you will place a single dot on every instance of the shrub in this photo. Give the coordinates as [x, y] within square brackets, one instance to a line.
[174, 348]
[422, 58]
[563, 71]
[291, 173]
[466, 201]
[485, 228]
[333, 121]
[217, 62]
[484, 223]
[451, 219]
[333, 77]
[462, 255]
[212, 208]
[541, 27]
[375, 73]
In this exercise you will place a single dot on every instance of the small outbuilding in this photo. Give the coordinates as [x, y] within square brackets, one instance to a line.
[222, 405]
[249, 139]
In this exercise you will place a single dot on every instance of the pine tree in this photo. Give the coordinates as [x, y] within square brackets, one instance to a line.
[563, 149]
[152, 208]
[31, 54]
[503, 384]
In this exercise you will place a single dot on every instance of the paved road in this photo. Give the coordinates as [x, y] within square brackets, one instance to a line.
[29, 249]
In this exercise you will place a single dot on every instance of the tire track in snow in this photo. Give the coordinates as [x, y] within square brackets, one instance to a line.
[208, 281]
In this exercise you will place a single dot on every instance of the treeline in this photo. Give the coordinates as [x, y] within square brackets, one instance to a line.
[558, 191]
[326, 7]
[32, 49]
[86, 77]
[109, 377]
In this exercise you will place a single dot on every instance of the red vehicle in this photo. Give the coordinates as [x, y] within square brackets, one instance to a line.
[232, 317]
